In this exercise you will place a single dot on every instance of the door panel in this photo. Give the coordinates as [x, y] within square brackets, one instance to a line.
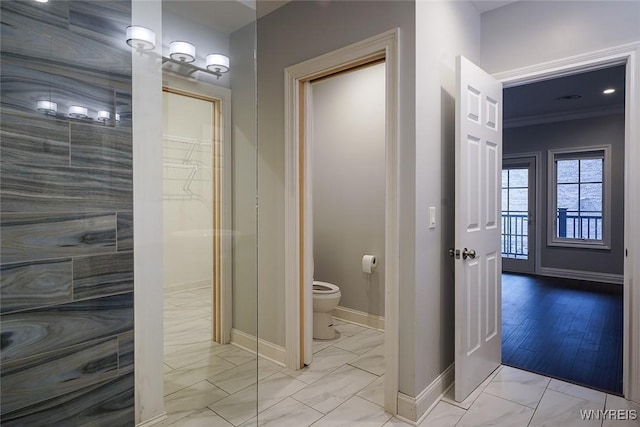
[478, 203]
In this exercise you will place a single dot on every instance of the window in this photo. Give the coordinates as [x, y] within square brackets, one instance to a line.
[578, 208]
[515, 212]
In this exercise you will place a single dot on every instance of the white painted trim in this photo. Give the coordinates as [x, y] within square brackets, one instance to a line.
[266, 349]
[590, 276]
[562, 117]
[416, 409]
[359, 317]
[594, 60]
[388, 43]
[153, 421]
[222, 94]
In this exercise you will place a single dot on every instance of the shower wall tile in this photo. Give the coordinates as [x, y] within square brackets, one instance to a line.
[34, 139]
[97, 146]
[35, 284]
[34, 14]
[102, 275]
[32, 332]
[125, 231]
[125, 353]
[35, 379]
[40, 188]
[27, 237]
[108, 403]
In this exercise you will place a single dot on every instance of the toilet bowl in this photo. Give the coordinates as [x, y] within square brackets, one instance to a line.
[325, 298]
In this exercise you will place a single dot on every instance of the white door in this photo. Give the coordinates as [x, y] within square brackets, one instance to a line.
[477, 229]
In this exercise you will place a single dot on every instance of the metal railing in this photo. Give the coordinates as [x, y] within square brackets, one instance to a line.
[515, 235]
[571, 225]
[579, 225]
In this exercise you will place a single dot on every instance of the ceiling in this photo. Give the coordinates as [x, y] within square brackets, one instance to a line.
[534, 101]
[487, 5]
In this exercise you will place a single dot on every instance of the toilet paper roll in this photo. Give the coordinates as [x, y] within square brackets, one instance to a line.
[368, 264]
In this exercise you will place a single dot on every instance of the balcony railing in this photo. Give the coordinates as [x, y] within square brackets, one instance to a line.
[571, 225]
[579, 225]
[515, 235]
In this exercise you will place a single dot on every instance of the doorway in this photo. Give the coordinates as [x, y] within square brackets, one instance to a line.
[558, 319]
[298, 212]
[518, 231]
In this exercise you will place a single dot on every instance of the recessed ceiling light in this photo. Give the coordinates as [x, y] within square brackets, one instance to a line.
[42, 1]
[569, 97]
[608, 91]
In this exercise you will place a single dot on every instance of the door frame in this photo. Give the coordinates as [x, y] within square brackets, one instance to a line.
[297, 209]
[618, 55]
[537, 237]
[222, 303]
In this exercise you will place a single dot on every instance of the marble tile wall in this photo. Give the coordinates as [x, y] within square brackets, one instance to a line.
[66, 215]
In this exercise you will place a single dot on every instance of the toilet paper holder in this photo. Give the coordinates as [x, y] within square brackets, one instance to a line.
[369, 263]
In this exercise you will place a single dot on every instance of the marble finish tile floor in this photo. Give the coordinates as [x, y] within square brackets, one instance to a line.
[212, 385]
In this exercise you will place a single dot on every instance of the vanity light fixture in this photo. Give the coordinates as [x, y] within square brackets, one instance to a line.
[217, 64]
[141, 38]
[78, 112]
[182, 51]
[47, 106]
[103, 116]
[609, 91]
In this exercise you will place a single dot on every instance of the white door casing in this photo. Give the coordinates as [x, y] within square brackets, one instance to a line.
[477, 227]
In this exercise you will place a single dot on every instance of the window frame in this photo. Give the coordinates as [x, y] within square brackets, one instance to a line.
[552, 208]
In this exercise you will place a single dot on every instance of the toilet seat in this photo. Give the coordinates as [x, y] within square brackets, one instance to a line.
[325, 288]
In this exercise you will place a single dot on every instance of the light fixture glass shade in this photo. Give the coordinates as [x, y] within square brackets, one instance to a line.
[117, 117]
[217, 62]
[47, 106]
[141, 37]
[182, 51]
[103, 116]
[42, 1]
[78, 111]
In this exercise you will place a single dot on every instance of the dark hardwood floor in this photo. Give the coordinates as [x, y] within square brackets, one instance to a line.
[566, 329]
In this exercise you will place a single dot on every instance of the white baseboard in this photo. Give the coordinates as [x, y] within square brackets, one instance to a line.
[415, 409]
[266, 349]
[616, 279]
[359, 317]
[153, 421]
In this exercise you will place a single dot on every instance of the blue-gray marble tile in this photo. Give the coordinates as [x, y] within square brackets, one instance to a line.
[125, 353]
[39, 188]
[102, 275]
[31, 237]
[77, 47]
[110, 403]
[34, 138]
[97, 146]
[35, 284]
[17, 13]
[125, 231]
[25, 81]
[32, 332]
[28, 381]
[104, 21]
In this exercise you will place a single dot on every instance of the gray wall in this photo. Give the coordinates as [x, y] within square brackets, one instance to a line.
[66, 277]
[532, 32]
[296, 32]
[568, 134]
[349, 185]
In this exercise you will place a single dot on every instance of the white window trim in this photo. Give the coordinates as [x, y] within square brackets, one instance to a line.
[552, 239]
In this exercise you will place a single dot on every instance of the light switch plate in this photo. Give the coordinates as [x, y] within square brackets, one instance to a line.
[432, 217]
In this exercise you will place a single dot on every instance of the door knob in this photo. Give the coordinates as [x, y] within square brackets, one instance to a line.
[466, 253]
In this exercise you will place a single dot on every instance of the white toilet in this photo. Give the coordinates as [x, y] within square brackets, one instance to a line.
[325, 298]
